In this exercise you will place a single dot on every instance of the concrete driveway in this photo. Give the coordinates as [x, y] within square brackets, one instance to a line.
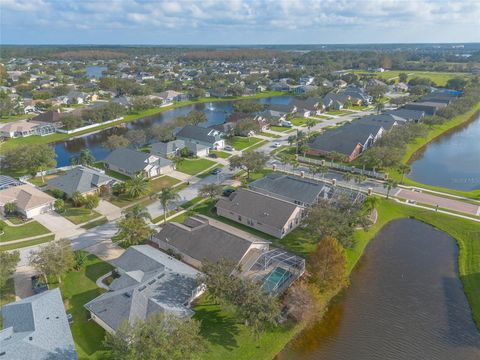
[110, 211]
[23, 282]
[58, 225]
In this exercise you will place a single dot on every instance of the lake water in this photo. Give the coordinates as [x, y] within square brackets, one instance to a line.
[216, 113]
[452, 161]
[405, 302]
[95, 71]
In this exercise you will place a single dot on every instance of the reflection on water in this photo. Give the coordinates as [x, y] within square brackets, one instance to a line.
[453, 161]
[405, 302]
[216, 113]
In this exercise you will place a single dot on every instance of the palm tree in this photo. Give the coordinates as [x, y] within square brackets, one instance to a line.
[86, 157]
[166, 196]
[370, 203]
[360, 178]
[295, 164]
[310, 123]
[389, 185]
[403, 169]
[137, 212]
[137, 186]
[347, 177]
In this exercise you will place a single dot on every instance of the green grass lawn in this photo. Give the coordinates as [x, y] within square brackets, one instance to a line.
[279, 128]
[7, 293]
[302, 121]
[228, 338]
[241, 142]
[78, 288]
[221, 154]
[338, 112]
[191, 202]
[95, 223]
[163, 182]
[27, 243]
[273, 136]
[32, 228]
[194, 166]
[11, 118]
[79, 215]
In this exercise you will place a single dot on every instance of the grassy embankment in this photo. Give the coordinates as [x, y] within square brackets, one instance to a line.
[150, 112]
[229, 338]
[415, 148]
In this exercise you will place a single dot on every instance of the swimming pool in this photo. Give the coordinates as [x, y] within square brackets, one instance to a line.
[275, 279]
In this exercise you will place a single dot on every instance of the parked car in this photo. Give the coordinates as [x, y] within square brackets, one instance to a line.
[228, 192]
[213, 156]
[229, 148]
[276, 145]
[216, 171]
[38, 285]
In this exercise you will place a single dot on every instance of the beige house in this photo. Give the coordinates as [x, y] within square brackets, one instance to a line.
[262, 212]
[29, 200]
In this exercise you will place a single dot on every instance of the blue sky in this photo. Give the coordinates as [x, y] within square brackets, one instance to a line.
[238, 21]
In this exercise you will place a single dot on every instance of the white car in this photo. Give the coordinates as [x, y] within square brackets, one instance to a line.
[276, 145]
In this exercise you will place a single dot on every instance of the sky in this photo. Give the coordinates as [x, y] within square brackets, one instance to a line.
[242, 22]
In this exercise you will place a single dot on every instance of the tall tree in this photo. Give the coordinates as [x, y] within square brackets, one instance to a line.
[166, 196]
[32, 158]
[86, 157]
[132, 231]
[8, 263]
[210, 191]
[54, 259]
[249, 161]
[327, 265]
[390, 185]
[403, 169]
[137, 212]
[137, 186]
[136, 137]
[160, 337]
[162, 133]
[116, 141]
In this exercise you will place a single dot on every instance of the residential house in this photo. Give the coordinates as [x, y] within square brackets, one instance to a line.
[81, 179]
[29, 200]
[170, 96]
[428, 107]
[265, 213]
[272, 116]
[132, 163]
[211, 138]
[173, 148]
[291, 188]
[36, 328]
[200, 238]
[348, 140]
[24, 128]
[149, 282]
[408, 115]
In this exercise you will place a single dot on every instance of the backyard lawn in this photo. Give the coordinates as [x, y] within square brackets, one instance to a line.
[79, 215]
[240, 142]
[78, 288]
[194, 166]
[32, 228]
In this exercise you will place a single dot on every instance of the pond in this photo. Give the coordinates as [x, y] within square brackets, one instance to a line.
[95, 71]
[452, 161]
[405, 302]
[216, 113]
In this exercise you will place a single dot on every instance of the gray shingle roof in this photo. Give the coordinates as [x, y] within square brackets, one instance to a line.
[288, 187]
[131, 160]
[166, 148]
[80, 179]
[265, 209]
[203, 239]
[199, 133]
[135, 295]
[409, 115]
[36, 328]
